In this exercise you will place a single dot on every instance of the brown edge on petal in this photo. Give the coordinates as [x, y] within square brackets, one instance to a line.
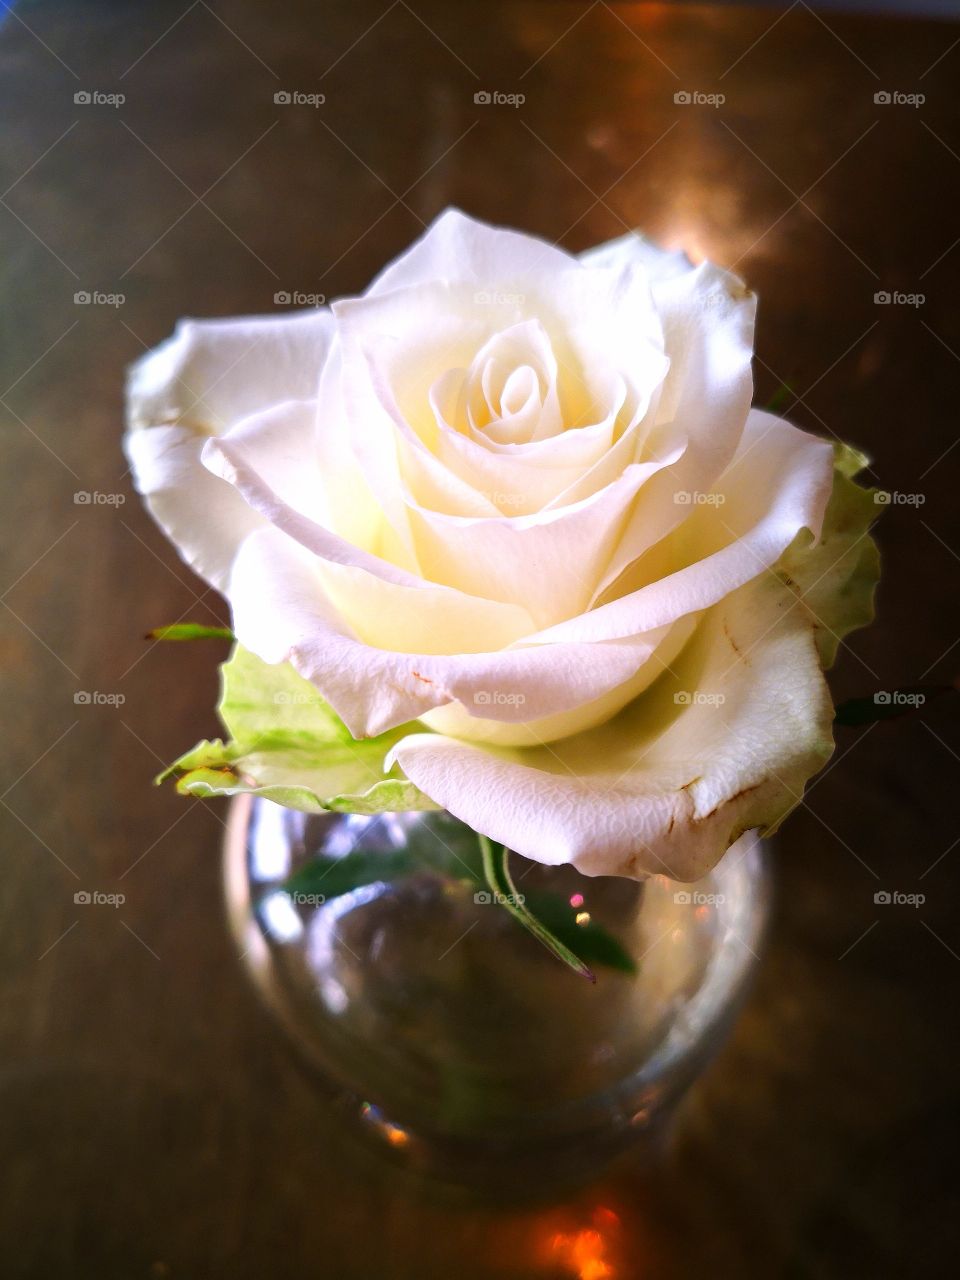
[733, 644]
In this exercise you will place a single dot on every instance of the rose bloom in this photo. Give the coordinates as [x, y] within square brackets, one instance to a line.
[520, 499]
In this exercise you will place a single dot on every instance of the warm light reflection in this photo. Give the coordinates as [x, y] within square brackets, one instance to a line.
[584, 1252]
[687, 239]
[583, 917]
[585, 1249]
[393, 1133]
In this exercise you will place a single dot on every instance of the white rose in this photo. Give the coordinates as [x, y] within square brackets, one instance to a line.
[522, 498]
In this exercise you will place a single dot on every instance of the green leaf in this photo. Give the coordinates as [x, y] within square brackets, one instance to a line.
[288, 745]
[459, 860]
[500, 882]
[189, 631]
[835, 579]
[334, 877]
[590, 940]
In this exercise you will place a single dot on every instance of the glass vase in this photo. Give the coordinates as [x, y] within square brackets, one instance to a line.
[456, 1040]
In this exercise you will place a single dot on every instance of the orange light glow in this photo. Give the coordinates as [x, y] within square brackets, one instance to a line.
[585, 1253]
[689, 241]
[393, 1133]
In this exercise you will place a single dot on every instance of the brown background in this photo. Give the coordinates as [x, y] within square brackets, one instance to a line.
[152, 1123]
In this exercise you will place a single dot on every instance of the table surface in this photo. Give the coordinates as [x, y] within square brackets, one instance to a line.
[152, 1122]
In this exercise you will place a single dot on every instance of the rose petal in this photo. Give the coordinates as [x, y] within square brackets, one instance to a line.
[286, 607]
[204, 378]
[668, 785]
[459, 248]
[549, 562]
[633, 249]
[778, 484]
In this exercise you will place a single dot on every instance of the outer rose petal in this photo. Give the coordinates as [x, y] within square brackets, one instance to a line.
[456, 247]
[672, 781]
[664, 787]
[633, 248]
[708, 319]
[182, 496]
[778, 483]
[199, 382]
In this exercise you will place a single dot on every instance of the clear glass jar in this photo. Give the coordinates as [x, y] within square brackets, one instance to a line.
[455, 1038]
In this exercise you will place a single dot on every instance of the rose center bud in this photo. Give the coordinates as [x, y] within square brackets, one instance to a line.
[511, 387]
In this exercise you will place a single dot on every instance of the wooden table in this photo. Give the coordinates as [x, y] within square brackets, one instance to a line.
[152, 1123]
